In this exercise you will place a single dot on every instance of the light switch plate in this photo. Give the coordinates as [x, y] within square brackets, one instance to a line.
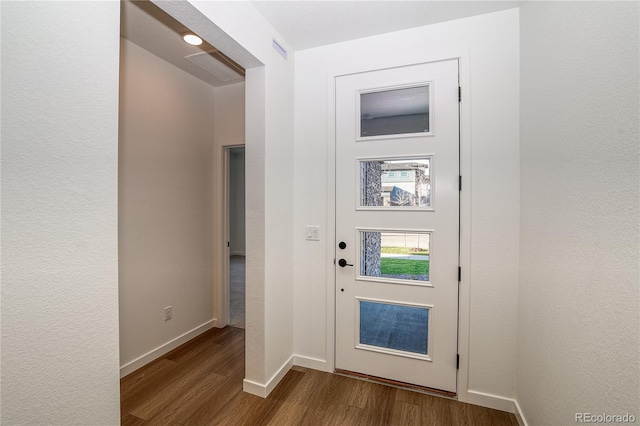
[312, 233]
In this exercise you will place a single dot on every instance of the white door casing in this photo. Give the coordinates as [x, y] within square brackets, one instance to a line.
[436, 220]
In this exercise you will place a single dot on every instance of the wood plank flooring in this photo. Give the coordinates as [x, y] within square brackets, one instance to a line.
[200, 383]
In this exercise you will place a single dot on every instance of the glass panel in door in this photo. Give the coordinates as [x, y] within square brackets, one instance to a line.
[402, 328]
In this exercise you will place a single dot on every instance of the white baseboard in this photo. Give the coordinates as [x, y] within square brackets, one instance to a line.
[156, 353]
[236, 253]
[254, 388]
[312, 363]
[497, 403]
[263, 391]
[519, 415]
[490, 401]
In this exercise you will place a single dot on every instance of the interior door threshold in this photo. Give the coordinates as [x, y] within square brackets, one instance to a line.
[394, 383]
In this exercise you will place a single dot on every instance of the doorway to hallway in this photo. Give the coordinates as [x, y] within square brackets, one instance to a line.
[236, 235]
[171, 128]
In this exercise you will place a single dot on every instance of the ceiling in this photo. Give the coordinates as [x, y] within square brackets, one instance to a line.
[303, 24]
[146, 25]
[307, 24]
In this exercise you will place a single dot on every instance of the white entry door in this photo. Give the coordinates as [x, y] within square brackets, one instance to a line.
[397, 223]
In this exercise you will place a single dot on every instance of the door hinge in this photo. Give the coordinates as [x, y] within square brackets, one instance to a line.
[228, 244]
[459, 94]
[457, 361]
[459, 273]
[460, 183]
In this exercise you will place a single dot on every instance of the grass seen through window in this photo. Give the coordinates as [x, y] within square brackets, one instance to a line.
[399, 266]
[391, 266]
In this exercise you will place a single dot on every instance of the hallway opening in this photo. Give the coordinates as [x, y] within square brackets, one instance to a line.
[175, 114]
[236, 235]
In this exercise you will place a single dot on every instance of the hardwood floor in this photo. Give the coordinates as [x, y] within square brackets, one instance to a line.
[200, 383]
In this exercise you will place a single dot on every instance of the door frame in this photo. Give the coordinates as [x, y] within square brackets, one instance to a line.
[222, 291]
[465, 202]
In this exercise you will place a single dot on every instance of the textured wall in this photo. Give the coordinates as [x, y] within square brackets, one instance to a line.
[59, 213]
[165, 201]
[578, 314]
[229, 119]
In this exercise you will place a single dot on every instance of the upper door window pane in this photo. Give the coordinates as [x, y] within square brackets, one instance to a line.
[395, 112]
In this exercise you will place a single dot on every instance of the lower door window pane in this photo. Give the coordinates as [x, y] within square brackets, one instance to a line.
[391, 326]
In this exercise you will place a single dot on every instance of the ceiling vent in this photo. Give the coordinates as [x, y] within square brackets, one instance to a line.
[281, 50]
[214, 63]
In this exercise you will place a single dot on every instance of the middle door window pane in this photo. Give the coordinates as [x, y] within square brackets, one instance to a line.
[395, 255]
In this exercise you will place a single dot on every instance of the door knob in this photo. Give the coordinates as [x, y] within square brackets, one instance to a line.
[342, 245]
[343, 263]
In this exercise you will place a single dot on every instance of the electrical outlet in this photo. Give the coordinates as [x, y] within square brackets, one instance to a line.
[168, 313]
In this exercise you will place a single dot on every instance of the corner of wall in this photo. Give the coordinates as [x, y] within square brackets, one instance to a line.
[580, 165]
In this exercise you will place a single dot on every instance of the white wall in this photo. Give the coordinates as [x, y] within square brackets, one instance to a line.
[229, 120]
[578, 316]
[165, 203]
[59, 213]
[492, 43]
[228, 129]
[236, 203]
[240, 31]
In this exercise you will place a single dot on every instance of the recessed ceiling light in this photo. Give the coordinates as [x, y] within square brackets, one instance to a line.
[192, 39]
